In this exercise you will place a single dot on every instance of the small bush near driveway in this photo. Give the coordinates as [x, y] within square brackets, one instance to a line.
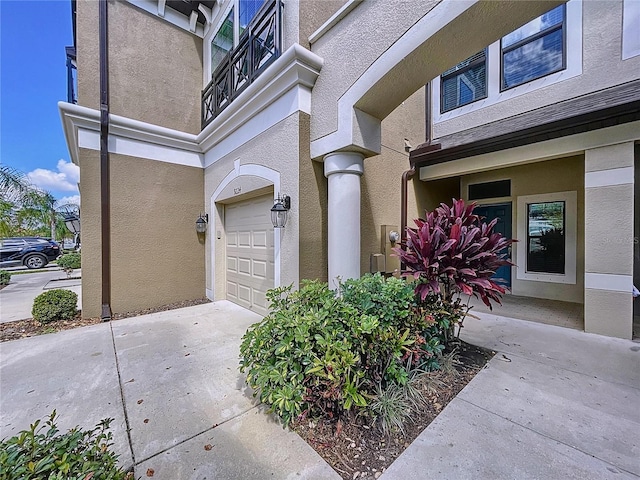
[55, 305]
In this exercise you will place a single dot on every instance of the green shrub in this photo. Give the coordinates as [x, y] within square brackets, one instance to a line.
[5, 277]
[319, 353]
[55, 305]
[45, 453]
[69, 261]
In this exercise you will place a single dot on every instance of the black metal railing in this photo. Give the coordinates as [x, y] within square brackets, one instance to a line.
[259, 45]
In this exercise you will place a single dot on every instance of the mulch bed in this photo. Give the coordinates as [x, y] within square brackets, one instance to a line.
[359, 450]
[30, 327]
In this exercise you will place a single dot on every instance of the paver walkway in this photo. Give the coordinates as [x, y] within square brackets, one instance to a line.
[553, 403]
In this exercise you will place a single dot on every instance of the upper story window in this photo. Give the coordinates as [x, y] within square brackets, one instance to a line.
[545, 51]
[464, 83]
[534, 50]
[228, 34]
[247, 39]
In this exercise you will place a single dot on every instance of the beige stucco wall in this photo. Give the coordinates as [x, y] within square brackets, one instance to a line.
[561, 175]
[278, 149]
[313, 211]
[354, 44]
[381, 182]
[609, 246]
[155, 68]
[156, 256]
[602, 50]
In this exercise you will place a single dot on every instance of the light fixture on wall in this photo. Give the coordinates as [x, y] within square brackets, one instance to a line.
[279, 211]
[72, 223]
[201, 223]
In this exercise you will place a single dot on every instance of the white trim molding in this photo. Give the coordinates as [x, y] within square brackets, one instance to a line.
[334, 19]
[609, 282]
[283, 89]
[570, 232]
[608, 178]
[356, 128]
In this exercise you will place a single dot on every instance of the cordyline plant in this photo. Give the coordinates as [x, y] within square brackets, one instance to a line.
[452, 251]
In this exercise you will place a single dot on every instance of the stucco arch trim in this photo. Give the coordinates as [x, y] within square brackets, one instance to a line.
[271, 177]
[450, 32]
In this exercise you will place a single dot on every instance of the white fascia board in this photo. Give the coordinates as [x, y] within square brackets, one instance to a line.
[297, 66]
[168, 15]
[284, 88]
[128, 137]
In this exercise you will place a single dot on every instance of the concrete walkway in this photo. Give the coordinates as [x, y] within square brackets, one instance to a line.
[16, 299]
[553, 403]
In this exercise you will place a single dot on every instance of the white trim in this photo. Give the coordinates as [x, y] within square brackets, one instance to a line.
[570, 231]
[291, 102]
[630, 29]
[334, 20]
[209, 294]
[609, 282]
[573, 27]
[257, 171]
[550, 149]
[157, 9]
[606, 178]
[284, 88]
[435, 20]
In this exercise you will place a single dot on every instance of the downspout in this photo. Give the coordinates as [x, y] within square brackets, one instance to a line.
[406, 176]
[105, 188]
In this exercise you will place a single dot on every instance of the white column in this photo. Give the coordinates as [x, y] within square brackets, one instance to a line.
[343, 171]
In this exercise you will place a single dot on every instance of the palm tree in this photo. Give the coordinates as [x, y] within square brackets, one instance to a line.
[26, 209]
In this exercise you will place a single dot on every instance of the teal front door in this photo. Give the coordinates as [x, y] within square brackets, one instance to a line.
[502, 212]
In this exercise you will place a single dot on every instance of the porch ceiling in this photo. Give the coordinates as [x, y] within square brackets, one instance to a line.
[185, 7]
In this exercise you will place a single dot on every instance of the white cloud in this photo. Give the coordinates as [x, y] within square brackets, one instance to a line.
[69, 200]
[64, 180]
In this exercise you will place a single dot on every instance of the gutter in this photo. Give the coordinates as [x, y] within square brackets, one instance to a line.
[105, 185]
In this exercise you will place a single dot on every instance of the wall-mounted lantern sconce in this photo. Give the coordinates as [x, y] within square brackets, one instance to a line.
[72, 223]
[201, 223]
[279, 211]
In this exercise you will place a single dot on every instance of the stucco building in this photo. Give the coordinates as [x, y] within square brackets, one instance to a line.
[221, 107]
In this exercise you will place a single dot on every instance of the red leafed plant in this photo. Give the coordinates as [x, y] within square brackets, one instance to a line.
[452, 251]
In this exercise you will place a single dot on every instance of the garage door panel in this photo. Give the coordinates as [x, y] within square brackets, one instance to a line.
[250, 252]
[244, 293]
[244, 266]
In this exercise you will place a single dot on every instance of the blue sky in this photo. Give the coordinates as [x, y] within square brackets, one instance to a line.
[33, 35]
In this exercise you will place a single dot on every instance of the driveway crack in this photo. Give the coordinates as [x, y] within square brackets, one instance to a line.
[124, 404]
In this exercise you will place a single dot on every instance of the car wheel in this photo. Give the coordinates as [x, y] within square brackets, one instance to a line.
[35, 261]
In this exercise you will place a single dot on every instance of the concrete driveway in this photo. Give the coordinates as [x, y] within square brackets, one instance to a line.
[171, 382]
[553, 403]
[16, 299]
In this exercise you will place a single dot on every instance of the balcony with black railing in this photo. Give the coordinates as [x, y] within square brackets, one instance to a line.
[258, 47]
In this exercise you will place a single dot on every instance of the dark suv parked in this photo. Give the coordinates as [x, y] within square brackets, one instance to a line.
[33, 252]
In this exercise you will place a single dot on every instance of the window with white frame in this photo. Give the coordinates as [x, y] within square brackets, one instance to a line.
[464, 83]
[230, 30]
[545, 51]
[547, 237]
[534, 50]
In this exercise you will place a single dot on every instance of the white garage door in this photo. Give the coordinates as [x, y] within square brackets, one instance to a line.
[250, 265]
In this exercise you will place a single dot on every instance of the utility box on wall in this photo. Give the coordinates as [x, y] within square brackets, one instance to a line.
[389, 239]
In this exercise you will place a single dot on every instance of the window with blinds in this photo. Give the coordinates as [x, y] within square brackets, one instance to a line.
[465, 83]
